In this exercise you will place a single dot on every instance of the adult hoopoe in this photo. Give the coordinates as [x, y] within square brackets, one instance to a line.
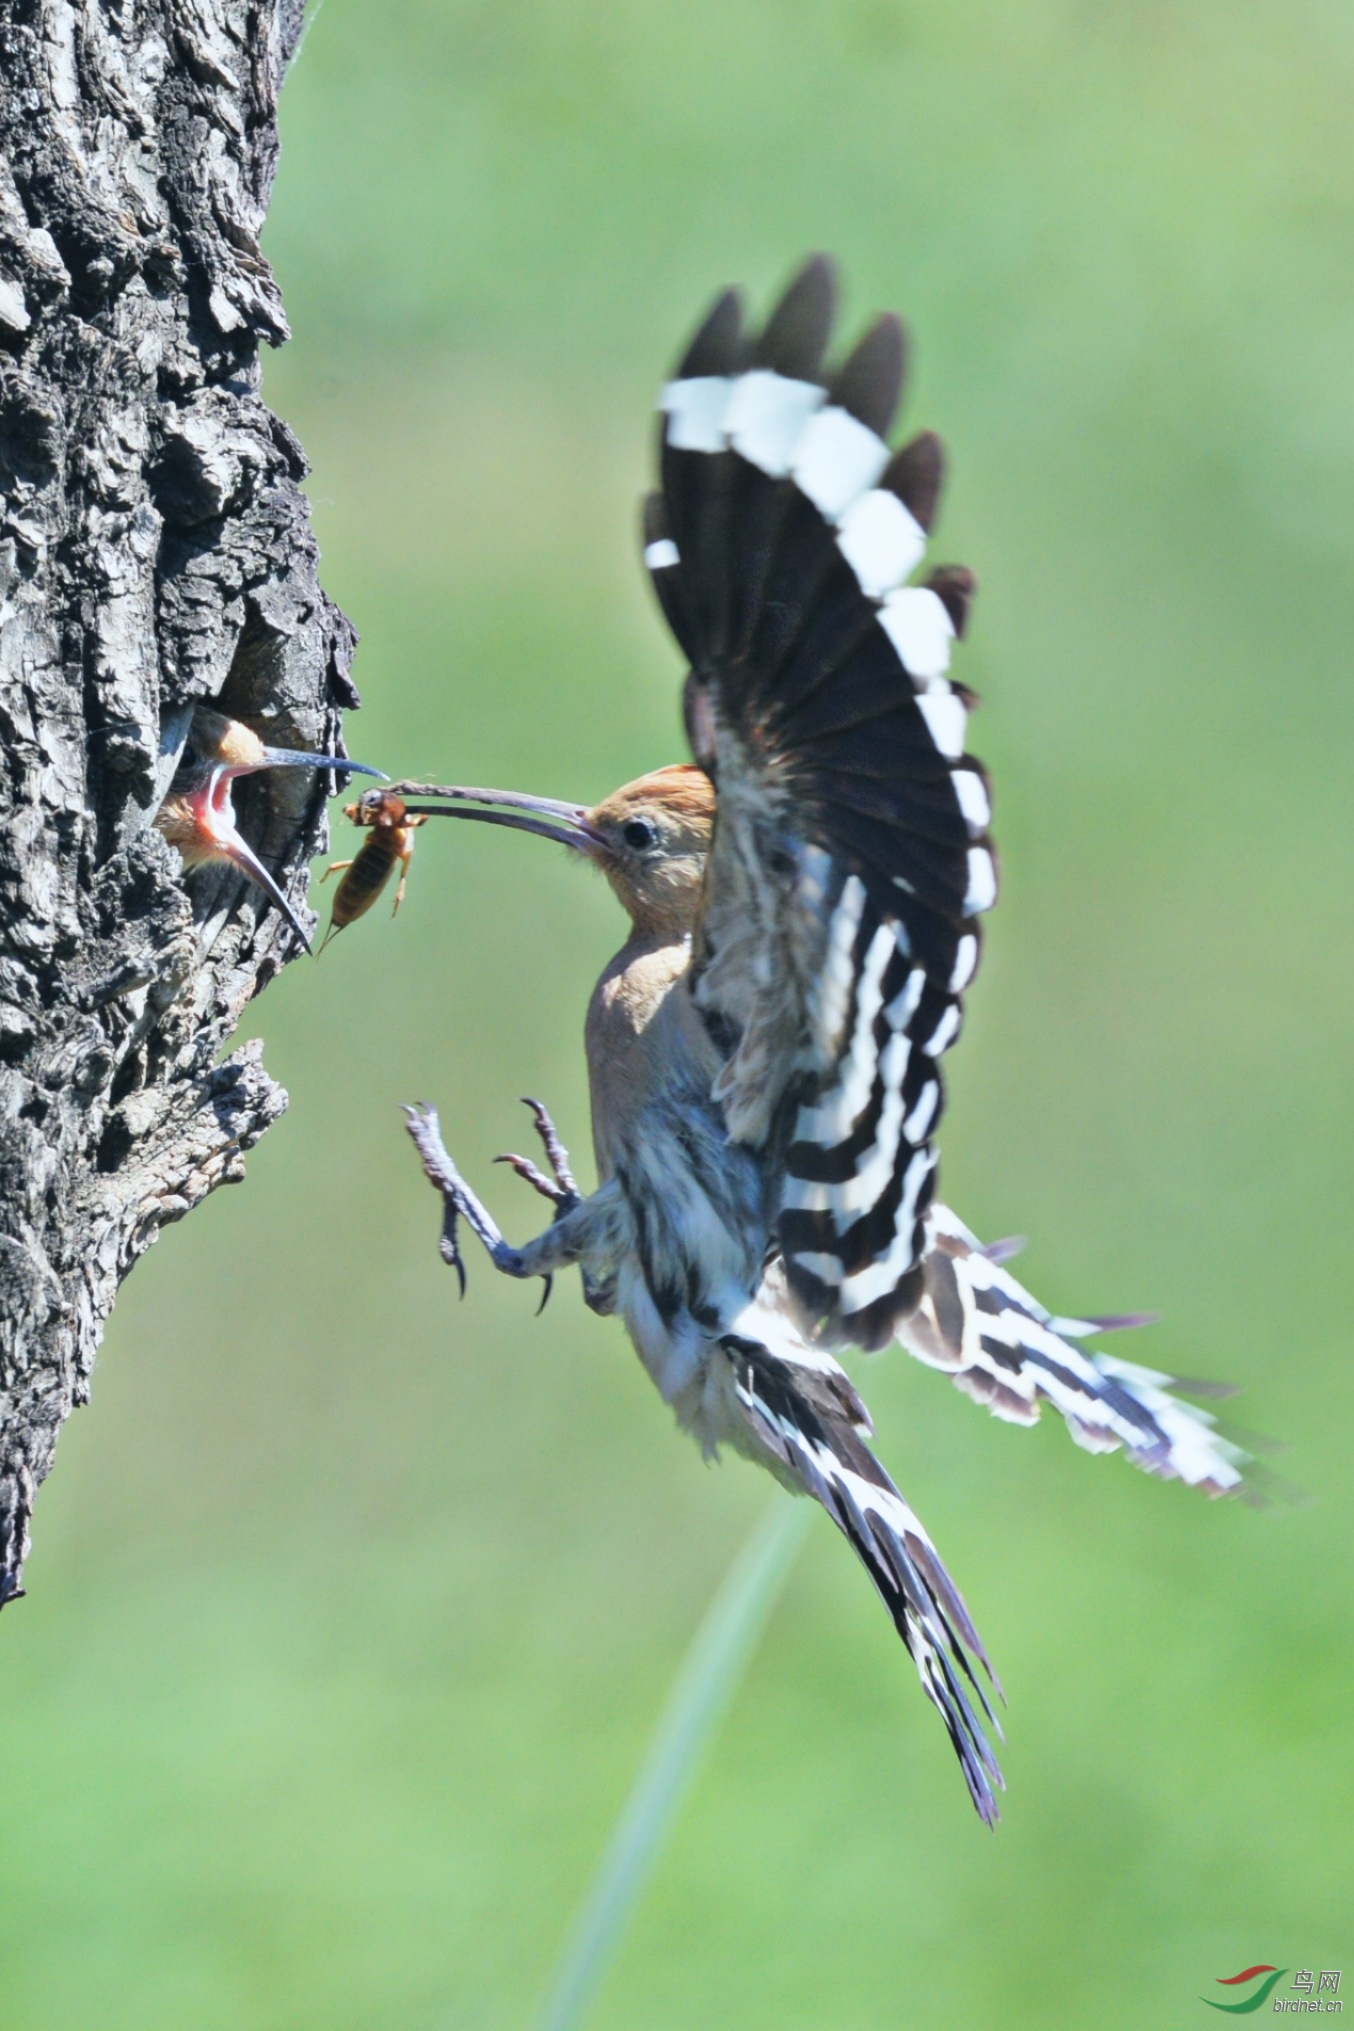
[764, 1050]
[198, 815]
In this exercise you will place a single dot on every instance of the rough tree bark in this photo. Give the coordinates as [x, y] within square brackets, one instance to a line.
[154, 549]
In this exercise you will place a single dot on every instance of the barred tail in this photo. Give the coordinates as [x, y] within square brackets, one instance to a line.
[1005, 1350]
[805, 1418]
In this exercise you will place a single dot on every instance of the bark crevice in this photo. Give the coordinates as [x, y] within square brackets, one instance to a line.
[155, 549]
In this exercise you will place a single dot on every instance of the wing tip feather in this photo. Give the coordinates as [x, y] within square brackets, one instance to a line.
[916, 473]
[795, 337]
[955, 586]
[869, 382]
[716, 344]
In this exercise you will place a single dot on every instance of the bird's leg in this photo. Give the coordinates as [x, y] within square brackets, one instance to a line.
[563, 1193]
[599, 1292]
[458, 1201]
[564, 1241]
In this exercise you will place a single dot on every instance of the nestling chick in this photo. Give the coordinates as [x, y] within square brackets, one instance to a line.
[198, 815]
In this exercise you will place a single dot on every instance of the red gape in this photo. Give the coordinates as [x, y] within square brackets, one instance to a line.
[198, 815]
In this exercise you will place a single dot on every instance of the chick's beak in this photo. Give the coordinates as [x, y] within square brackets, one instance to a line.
[241, 855]
[218, 837]
[547, 817]
[296, 758]
[219, 742]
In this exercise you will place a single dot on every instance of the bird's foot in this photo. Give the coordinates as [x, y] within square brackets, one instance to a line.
[458, 1201]
[562, 1191]
[441, 1172]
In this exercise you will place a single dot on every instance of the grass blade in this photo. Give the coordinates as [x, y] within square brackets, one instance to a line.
[700, 1697]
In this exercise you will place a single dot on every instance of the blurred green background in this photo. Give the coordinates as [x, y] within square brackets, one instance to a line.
[351, 1607]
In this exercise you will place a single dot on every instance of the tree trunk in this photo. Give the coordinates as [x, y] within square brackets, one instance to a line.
[154, 549]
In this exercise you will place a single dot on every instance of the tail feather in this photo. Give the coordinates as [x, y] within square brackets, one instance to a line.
[794, 1414]
[1004, 1349]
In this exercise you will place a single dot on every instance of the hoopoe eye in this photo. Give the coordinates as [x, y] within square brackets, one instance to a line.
[639, 833]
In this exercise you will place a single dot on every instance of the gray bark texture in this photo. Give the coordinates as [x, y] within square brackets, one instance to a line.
[155, 549]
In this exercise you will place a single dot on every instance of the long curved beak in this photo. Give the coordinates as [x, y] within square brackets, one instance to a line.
[222, 743]
[240, 854]
[547, 817]
[296, 758]
[220, 838]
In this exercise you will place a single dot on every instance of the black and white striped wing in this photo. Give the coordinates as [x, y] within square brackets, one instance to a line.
[851, 855]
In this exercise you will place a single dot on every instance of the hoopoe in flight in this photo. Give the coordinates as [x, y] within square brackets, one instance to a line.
[198, 815]
[764, 1050]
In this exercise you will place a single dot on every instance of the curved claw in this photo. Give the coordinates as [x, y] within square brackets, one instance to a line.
[549, 1282]
[449, 1243]
[449, 1250]
[458, 1201]
[556, 1154]
[536, 1179]
[421, 1121]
